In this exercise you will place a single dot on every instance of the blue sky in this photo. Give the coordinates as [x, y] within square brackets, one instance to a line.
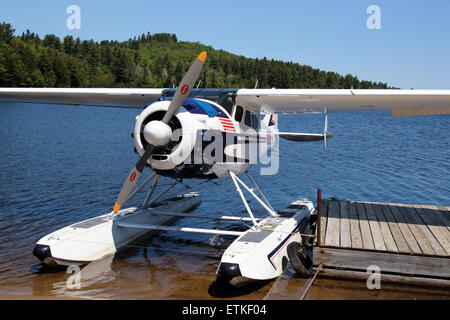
[411, 50]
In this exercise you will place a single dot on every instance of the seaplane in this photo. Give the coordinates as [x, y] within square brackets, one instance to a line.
[192, 133]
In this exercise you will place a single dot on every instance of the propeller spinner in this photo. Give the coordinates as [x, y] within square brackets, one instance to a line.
[158, 133]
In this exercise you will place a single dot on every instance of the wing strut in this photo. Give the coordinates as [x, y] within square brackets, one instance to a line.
[238, 182]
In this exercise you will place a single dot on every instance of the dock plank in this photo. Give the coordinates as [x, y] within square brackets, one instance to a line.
[375, 228]
[406, 241]
[399, 239]
[392, 278]
[424, 228]
[405, 229]
[440, 215]
[385, 230]
[333, 224]
[444, 215]
[366, 233]
[346, 240]
[355, 231]
[436, 227]
[388, 262]
[323, 222]
[416, 225]
[444, 228]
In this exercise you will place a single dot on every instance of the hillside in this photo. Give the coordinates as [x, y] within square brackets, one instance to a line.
[157, 60]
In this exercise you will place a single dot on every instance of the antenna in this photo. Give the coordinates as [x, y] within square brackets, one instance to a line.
[256, 84]
[198, 85]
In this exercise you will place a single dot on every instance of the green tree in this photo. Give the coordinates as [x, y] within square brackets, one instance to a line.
[6, 32]
[52, 41]
[12, 71]
[69, 45]
[158, 60]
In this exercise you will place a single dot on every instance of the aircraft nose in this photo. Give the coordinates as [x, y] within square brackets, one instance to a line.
[157, 133]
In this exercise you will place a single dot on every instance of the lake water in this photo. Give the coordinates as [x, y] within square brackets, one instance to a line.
[63, 164]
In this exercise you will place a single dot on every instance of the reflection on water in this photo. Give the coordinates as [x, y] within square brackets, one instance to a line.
[64, 164]
[82, 279]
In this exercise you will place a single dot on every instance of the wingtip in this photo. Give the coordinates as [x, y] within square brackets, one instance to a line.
[202, 56]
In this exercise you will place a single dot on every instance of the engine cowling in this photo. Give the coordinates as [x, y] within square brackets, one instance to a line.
[184, 127]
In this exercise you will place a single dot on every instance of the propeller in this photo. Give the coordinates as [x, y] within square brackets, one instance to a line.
[159, 133]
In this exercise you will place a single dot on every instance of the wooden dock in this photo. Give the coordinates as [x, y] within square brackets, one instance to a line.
[409, 243]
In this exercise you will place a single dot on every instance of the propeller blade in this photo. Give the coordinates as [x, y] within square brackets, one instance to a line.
[132, 179]
[185, 87]
[182, 93]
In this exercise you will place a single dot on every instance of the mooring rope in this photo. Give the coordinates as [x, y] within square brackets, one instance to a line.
[310, 283]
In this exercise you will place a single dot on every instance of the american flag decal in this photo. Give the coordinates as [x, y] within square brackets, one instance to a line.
[227, 124]
[272, 121]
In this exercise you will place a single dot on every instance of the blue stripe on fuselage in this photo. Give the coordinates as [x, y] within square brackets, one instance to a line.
[202, 107]
[196, 106]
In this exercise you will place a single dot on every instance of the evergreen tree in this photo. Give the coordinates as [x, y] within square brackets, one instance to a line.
[69, 45]
[158, 60]
[6, 33]
[52, 41]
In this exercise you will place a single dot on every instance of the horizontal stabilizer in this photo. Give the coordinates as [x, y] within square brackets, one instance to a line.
[303, 137]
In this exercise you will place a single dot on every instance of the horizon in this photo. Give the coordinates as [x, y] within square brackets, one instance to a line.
[406, 52]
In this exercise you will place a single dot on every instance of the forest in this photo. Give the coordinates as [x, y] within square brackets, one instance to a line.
[147, 61]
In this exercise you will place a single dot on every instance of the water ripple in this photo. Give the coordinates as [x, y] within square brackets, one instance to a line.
[64, 164]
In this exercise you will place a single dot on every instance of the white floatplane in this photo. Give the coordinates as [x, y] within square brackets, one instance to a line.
[188, 133]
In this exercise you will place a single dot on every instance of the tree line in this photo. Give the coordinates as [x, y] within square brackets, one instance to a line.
[147, 61]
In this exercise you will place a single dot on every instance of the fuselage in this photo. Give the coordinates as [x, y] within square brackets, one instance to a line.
[209, 138]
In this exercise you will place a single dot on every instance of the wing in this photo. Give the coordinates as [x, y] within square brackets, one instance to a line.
[108, 97]
[400, 102]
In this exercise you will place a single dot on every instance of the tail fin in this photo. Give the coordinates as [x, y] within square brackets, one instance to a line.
[270, 120]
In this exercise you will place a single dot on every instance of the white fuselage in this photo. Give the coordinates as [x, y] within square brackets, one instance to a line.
[208, 141]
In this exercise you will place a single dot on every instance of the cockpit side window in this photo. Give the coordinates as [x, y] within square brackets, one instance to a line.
[255, 122]
[251, 120]
[238, 113]
[248, 119]
[226, 102]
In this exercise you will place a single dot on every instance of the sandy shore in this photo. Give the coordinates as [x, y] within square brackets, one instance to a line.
[32, 297]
